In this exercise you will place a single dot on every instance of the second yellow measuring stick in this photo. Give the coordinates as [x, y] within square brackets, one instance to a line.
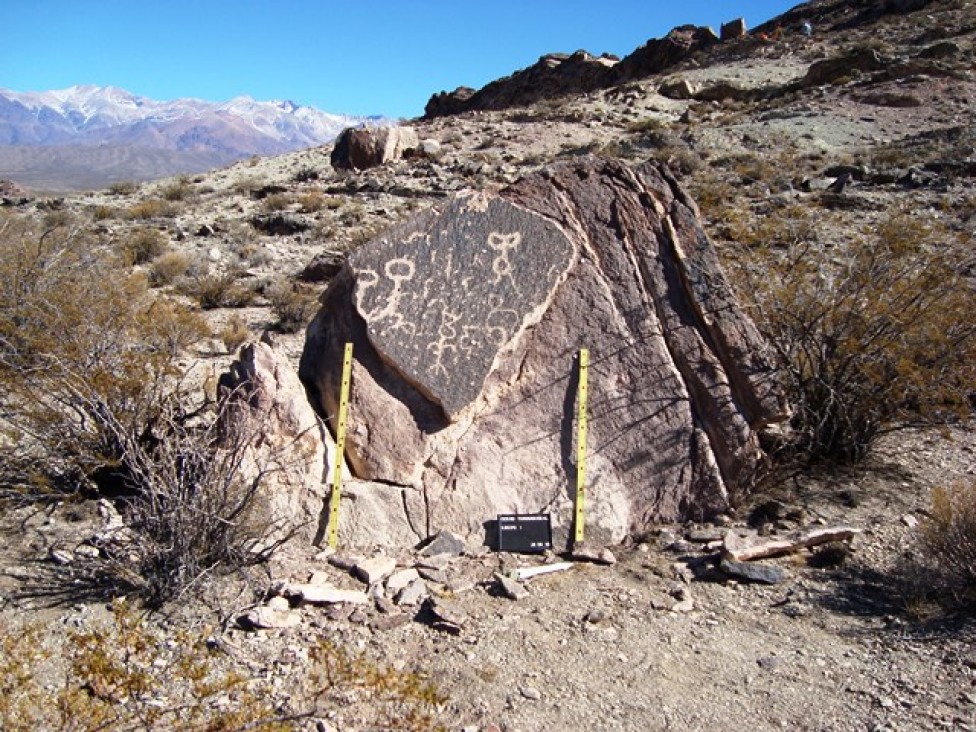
[340, 449]
[584, 367]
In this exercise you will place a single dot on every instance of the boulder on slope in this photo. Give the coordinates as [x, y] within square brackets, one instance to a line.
[466, 322]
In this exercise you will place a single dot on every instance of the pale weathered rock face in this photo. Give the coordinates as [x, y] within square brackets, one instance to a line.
[359, 148]
[466, 323]
[263, 401]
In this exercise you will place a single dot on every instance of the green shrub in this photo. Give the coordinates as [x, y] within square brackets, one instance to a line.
[276, 202]
[311, 202]
[868, 337]
[305, 174]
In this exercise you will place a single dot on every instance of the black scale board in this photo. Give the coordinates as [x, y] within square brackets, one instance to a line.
[529, 533]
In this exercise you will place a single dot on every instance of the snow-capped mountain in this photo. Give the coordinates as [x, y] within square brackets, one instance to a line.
[204, 133]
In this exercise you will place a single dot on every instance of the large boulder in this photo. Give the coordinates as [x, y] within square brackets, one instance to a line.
[359, 148]
[466, 322]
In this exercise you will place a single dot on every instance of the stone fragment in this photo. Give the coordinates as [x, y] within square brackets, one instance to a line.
[264, 405]
[87, 551]
[433, 575]
[340, 612]
[385, 605]
[683, 606]
[444, 542]
[267, 617]
[412, 594]
[445, 611]
[524, 573]
[324, 595]
[511, 588]
[679, 89]
[530, 693]
[375, 569]
[438, 562]
[706, 536]
[359, 616]
[742, 549]
[592, 553]
[344, 562]
[398, 580]
[761, 573]
[389, 622]
[61, 556]
[909, 521]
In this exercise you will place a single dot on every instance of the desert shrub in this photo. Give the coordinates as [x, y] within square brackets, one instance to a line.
[123, 188]
[76, 360]
[305, 174]
[234, 333]
[153, 208]
[292, 303]
[102, 213]
[218, 290]
[167, 268]
[868, 337]
[144, 245]
[178, 190]
[311, 202]
[276, 202]
[131, 676]
[948, 542]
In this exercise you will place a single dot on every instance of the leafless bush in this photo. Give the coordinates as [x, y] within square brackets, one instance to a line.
[76, 357]
[293, 304]
[869, 337]
[948, 542]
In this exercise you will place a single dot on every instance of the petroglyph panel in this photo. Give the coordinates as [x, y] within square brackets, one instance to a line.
[442, 294]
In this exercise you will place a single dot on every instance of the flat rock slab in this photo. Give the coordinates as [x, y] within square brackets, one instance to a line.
[761, 573]
[443, 293]
[314, 594]
[375, 569]
[444, 543]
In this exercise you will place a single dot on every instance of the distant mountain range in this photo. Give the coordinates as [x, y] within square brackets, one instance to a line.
[89, 136]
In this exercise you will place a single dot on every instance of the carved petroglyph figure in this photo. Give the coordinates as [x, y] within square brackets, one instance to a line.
[502, 265]
[442, 295]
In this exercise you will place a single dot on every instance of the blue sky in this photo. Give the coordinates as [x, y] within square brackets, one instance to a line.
[352, 57]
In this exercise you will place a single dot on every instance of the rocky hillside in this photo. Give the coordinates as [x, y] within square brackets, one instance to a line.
[833, 139]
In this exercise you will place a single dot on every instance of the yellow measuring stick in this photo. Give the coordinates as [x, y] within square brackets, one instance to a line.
[340, 450]
[584, 367]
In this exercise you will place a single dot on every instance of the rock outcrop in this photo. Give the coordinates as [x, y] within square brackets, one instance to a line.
[466, 322]
[359, 148]
[660, 54]
[560, 74]
[263, 407]
[553, 75]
